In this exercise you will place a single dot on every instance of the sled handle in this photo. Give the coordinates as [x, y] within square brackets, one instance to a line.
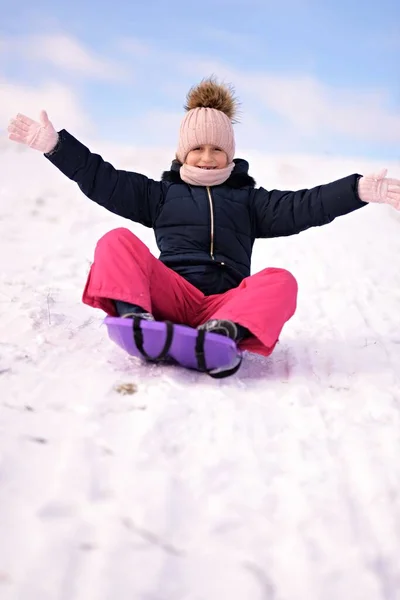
[138, 337]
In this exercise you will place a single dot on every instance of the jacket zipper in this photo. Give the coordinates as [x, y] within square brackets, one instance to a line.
[210, 202]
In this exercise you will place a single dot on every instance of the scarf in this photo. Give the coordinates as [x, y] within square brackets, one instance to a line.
[205, 177]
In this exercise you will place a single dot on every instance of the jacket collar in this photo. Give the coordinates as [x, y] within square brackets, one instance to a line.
[238, 178]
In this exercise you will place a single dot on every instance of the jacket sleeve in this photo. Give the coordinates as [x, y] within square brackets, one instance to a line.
[127, 194]
[278, 213]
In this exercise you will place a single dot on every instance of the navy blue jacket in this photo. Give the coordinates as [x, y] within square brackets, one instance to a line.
[205, 234]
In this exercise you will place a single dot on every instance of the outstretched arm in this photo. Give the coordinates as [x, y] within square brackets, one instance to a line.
[127, 194]
[278, 213]
[282, 213]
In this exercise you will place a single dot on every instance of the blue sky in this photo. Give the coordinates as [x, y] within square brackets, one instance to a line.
[320, 77]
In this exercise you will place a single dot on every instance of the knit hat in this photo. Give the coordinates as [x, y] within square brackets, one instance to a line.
[211, 110]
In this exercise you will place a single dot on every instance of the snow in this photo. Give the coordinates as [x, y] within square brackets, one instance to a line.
[281, 482]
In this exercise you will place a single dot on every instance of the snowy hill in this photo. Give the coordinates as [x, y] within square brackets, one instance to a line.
[282, 482]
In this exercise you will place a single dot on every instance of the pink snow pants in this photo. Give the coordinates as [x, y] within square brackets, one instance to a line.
[124, 269]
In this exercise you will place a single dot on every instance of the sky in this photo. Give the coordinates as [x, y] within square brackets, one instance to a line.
[313, 77]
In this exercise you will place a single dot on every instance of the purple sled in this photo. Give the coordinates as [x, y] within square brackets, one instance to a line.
[219, 351]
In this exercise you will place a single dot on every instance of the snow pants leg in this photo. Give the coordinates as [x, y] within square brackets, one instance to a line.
[262, 303]
[124, 269]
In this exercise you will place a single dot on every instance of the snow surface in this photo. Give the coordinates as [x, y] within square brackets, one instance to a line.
[281, 482]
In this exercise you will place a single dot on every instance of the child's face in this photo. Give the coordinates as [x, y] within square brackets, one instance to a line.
[207, 157]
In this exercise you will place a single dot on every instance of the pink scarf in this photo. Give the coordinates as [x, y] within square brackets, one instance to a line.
[205, 177]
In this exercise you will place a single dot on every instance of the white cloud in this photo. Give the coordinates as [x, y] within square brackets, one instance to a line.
[305, 105]
[61, 103]
[289, 109]
[67, 53]
[157, 127]
[312, 107]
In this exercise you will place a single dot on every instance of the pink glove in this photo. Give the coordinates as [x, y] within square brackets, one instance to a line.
[378, 188]
[40, 136]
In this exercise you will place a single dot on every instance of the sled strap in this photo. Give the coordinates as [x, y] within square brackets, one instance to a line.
[217, 374]
[138, 337]
[201, 359]
[199, 350]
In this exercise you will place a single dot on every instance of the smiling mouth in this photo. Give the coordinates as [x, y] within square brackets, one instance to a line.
[207, 168]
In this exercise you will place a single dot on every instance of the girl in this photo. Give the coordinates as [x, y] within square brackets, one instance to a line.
[206, 213]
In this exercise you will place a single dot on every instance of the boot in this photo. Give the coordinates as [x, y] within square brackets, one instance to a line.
[232, 330]
[126, 311]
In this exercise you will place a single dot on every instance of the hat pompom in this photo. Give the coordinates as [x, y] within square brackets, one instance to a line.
[210, 94]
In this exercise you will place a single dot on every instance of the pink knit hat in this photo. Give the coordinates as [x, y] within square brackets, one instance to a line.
[211, 109]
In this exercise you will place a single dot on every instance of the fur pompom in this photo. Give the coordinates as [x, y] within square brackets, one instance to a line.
[210, 94]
